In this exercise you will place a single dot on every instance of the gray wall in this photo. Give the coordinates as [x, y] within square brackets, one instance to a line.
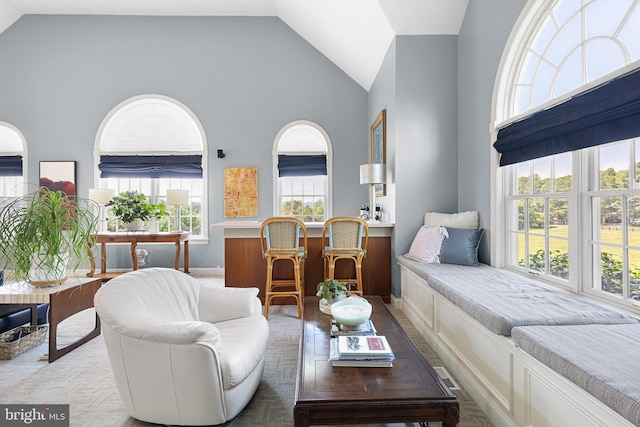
[483, 37]
[244, 78]
[417, 84]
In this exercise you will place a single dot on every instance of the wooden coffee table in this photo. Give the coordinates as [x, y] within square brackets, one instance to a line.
[410, 391]
[72, 296]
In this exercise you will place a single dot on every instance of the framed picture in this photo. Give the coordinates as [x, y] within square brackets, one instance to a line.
[379, 146]
[240, 192]
[59, 176]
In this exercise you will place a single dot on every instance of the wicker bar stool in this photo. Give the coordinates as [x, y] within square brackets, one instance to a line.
[280, 240]
[347, 238]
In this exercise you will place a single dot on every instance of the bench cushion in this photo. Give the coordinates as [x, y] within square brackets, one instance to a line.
[601, 359]
[501, 300]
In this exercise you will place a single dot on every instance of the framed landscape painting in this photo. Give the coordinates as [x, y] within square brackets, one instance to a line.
[379, 146]
[59, 176]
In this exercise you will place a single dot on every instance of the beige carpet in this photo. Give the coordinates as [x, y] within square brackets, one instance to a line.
[83, 378]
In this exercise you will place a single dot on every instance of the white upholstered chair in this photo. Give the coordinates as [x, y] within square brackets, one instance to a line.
[182, 353]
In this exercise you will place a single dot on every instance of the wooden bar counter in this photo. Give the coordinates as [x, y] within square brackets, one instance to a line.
[244, 265]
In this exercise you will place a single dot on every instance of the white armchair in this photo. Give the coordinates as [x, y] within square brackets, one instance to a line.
[182, 353]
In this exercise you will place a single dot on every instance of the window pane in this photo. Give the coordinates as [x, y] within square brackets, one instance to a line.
[611, 219]
[614, 166]
[637, 165]
[521, 214]
[559, 217]
[542, 175]
[536, 253]
[603, 56]
[562, 164]
[520, 253]
[524, 177]
[611, 270]
[559, 258]
[536, 215]
[634, 274]
[633, 206]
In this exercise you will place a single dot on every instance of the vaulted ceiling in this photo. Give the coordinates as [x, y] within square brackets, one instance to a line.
[354, 34]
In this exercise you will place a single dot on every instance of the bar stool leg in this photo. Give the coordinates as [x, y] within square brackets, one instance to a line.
[267, 293]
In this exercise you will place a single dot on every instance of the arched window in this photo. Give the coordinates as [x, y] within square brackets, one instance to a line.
[570, 210]
[152, 144]
[13, 151]
[302, 172]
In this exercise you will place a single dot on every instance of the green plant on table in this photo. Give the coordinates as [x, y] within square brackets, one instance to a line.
[42, 231]
[158, 210]
[329, 289]
[131, 205]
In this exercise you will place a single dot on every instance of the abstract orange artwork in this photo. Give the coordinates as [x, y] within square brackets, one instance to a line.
[240, 192]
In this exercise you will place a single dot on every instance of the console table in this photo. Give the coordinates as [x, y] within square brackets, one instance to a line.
[244, 265]
[135, 237]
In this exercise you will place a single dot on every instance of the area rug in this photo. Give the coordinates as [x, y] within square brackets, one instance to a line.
[83, 378]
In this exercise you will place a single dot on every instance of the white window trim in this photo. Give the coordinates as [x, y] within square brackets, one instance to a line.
[205, 145]
[274, 156]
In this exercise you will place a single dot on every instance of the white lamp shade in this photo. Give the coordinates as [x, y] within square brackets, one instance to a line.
[101, 196]
[373, 173]
[178, 197]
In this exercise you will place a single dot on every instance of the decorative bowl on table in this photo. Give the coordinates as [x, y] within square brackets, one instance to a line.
[351, 311]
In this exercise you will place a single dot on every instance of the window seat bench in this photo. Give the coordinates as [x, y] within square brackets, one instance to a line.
[468, 315]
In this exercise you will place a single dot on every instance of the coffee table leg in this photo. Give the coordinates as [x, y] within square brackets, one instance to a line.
[300, 417]
[65, 304]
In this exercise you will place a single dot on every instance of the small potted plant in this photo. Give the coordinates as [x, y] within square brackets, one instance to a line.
[331, 290]
[158, 211]
[132, 208]
[44, 233]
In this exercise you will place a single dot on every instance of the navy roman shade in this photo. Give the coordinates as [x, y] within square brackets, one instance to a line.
[302, 165]
[188, 166]
[607, 113]
[10, 165]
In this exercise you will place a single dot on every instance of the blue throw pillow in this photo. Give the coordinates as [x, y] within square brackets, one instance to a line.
[462, 246]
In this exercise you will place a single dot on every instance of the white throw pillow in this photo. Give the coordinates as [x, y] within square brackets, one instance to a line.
[467, 219]
[427, 243]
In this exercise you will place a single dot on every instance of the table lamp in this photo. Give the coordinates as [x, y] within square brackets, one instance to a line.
[102, 196]
[373, 174]
[178, 198]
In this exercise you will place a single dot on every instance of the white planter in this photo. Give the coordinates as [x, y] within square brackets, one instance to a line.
[136, 225]
[49, 272]
[153, 225]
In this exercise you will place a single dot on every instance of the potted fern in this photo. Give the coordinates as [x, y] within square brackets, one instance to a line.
[44, 234]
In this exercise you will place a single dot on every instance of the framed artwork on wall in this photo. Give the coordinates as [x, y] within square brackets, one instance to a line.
[378, 139]
[240, 192]
[59, 176]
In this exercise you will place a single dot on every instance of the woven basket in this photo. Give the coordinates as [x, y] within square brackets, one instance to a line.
[29, 337]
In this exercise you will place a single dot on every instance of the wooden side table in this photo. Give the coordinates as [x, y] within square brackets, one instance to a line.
[133, 238]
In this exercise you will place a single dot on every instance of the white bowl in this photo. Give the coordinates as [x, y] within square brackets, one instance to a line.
[351, 311]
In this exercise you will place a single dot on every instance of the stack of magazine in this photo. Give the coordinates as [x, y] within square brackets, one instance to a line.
[361, 350]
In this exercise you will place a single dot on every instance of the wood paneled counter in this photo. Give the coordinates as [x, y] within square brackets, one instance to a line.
[244, 265]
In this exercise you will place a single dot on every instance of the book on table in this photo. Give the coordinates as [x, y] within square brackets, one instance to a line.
[365, 328]
[363, 347]
[361, 351]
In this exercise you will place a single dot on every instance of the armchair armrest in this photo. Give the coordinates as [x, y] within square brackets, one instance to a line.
[220, 304]
[169, 332]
